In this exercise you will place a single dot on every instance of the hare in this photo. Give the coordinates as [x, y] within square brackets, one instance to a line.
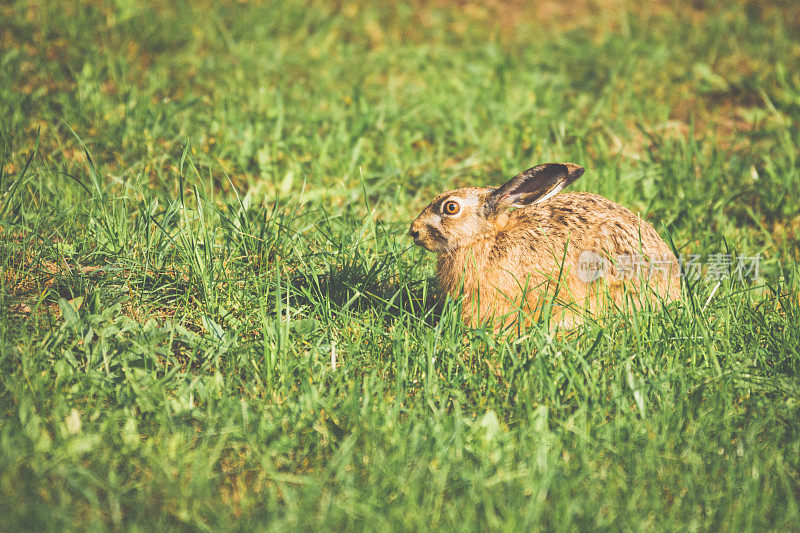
[524, 248]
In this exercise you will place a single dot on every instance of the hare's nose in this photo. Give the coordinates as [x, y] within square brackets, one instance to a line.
[414, 233]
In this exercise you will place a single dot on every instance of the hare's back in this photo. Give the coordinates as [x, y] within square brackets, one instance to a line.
[591, 222]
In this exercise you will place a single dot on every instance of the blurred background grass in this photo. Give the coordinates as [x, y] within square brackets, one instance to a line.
[423, 96]
[211, 310]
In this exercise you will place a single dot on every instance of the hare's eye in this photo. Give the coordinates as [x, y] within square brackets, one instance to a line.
[451, 208]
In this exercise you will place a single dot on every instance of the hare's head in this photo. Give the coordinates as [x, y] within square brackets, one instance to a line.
[460, 217]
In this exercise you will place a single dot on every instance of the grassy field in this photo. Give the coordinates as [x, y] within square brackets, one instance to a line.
[212, 317]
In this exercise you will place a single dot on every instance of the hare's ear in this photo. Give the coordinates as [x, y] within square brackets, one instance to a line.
[535, 185]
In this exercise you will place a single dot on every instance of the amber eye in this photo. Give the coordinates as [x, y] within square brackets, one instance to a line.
[451, 208]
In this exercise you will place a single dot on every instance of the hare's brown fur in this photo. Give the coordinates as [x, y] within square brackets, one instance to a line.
[526, 258]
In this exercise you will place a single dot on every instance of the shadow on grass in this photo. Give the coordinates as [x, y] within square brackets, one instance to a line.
[357, 286]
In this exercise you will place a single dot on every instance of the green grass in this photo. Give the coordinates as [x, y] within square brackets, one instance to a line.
[211, 316]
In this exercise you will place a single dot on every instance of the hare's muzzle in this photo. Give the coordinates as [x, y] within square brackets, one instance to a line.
[414, 235]
[425, 235]
[414, 231]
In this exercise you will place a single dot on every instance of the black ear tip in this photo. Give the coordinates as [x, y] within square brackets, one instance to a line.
[574, 171]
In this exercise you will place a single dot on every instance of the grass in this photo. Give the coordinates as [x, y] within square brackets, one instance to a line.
[211, 316]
